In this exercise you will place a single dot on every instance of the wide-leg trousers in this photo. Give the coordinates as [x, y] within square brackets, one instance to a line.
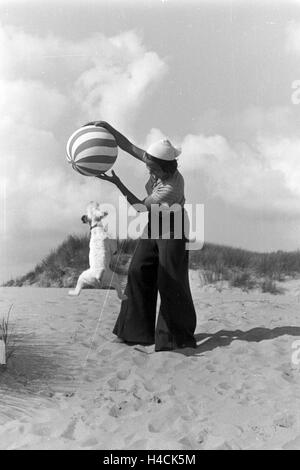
[158, 265]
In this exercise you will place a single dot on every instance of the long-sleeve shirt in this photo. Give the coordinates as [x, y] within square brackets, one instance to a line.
[165, 192]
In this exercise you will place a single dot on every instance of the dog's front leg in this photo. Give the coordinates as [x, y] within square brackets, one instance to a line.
[77, 289]
[80, 283]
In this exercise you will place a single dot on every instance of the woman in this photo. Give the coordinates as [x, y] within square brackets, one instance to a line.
[158, 264]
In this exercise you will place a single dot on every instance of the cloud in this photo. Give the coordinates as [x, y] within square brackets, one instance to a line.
[107, 77]
[153, 135]
[249, 160]
[32, 103]
[251, 122]
[119, 87]
[262, 175]
[293, 37]
[252, 163]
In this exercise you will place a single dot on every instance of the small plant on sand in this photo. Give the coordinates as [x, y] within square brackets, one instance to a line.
[243, 280]
[269, 285]
[4, 338]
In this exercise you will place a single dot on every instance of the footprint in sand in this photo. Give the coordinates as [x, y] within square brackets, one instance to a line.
[180, 366]
[172, 390]
[216, 443]
[288, 374]
[188, 443]
[156, 425]
[90, 442]
[123, 374]
[117, 409]
[163, 419]
[140, 444]
[210, 368]
[41, 429]
[113, 383]
[222, 388]
[202, 436]
[69, 431]
[149, 385]
[140, 360]
[285, 421]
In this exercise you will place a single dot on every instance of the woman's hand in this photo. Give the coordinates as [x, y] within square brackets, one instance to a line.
[113, 178]
[120, 139]
[101, 124]
[132, 199]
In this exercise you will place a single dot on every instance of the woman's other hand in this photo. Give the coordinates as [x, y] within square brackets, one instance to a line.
[132, 199]
[113, 178]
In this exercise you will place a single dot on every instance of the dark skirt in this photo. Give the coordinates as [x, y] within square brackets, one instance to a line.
[158, 265]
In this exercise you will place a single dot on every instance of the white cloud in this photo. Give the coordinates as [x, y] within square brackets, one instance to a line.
[263, 175]
[107, 77]
[153, 136]
[118, 84]
[255, 167]
[252, 122]
[293, 37]
[32, 103]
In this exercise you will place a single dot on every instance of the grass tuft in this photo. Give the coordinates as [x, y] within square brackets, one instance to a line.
[4, 334]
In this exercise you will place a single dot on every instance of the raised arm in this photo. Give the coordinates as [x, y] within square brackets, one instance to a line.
[131, 198]
[121, 140]
[136, 151]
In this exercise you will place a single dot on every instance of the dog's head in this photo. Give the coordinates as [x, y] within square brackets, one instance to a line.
[94, 214]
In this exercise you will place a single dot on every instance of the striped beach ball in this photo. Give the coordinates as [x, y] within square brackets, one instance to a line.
[92, 150]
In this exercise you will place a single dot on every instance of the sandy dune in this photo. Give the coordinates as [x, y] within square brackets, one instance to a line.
[66, 387]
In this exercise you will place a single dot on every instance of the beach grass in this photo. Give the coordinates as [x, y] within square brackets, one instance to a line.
[241, 268]
[5, 335]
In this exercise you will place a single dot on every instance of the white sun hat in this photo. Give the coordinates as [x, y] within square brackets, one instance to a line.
[164, 150]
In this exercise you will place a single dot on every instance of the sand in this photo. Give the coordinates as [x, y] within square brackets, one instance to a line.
[67, 385]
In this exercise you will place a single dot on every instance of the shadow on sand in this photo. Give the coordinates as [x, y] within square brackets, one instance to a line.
[208, 342]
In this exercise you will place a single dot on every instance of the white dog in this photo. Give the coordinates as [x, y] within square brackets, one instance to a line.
[101, 250]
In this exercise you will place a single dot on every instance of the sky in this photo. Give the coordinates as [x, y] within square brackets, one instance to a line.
[214, 77]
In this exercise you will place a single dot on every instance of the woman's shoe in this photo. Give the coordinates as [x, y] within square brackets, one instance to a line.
[118, 340]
